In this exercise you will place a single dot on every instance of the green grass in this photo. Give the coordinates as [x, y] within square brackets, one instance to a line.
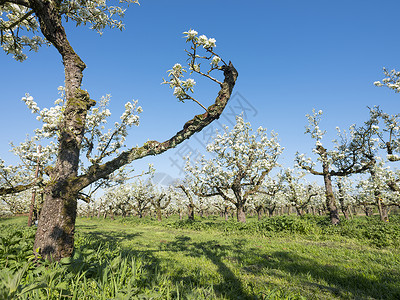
[278, 258]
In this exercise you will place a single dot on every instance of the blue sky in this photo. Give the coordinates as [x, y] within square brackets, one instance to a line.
[291, 56]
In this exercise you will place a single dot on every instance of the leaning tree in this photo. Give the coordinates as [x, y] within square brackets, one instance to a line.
[42, 21]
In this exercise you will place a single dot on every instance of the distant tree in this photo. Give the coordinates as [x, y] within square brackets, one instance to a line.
[160, 199]
[55, 234]
[347, 157]
[15, 204]
[241, 163]
[345, 194]
[376, 191]
[190, 199]
[299, 192]
[264, 199]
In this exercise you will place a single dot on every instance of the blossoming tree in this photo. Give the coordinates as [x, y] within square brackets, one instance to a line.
[299, 192]
[242, 161]
[346, 195]
[265, 199]
[42, 21]
[376, 191]
[389, 135]
[347, 157]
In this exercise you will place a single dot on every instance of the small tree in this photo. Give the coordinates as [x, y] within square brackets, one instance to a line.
[188, 189]
[345, 194]
[299, 192]
[376, 191]
[242, 161]
[265, 199]
[160, 199]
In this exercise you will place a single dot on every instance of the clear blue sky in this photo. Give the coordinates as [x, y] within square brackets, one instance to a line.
[291, 56]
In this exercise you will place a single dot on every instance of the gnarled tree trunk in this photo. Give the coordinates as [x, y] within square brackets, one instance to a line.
[55, 234]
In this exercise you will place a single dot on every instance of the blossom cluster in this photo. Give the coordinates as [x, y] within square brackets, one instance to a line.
[181, 88]
[97, 136]
[392, 80]
[18, 17]
[377, 185]
[202, 40]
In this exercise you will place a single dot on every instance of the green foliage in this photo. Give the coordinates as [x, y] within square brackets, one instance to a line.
[370, 230]
[98, 270]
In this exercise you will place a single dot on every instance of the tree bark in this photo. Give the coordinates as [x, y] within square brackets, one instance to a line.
[259, 212]
[226, 212]
[55, 234]
[191, 211]
[330, 200]
[241, 216]
[159, 215]
[271, 210]
[383, 210]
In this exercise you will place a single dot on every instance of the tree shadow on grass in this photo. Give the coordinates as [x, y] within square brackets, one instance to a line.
[231, 287]
[312, 274]
[335, 280]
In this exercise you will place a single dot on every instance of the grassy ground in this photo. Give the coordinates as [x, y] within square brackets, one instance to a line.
[240, 265]
[213, 263]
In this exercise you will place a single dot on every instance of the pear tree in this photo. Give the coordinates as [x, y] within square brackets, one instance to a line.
[29, 24]
[241, 163]
[348, 156]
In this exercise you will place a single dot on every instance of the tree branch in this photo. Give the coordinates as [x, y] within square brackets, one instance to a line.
[257, 186]
[311, 170]
[19, 2]
[16, 189]
[20, 20]
[213, 112]
[393, 186]
[84, 197]
[349, 171]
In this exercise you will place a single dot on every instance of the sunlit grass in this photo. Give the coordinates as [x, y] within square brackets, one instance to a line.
[212, 259]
